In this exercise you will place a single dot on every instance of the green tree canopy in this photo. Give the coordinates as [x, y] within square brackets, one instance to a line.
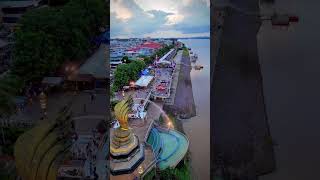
[125, 59]
[9, 86]
[48, 36]
[126, 72]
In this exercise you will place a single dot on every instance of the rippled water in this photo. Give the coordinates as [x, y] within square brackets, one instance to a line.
[290, 69]
[198, 128]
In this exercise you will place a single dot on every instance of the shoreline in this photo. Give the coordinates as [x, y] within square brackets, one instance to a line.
[184, 105]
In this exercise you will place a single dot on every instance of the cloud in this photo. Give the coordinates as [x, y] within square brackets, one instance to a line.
[135, 18]
[174, 19]
[174, 34]
[121, 12]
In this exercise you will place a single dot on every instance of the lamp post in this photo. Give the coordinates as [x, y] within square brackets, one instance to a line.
[43, 104]
[123, 93]
[140, 170]
[170, 125]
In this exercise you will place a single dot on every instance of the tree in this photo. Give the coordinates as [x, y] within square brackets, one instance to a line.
[121, 77]
[9, 86]
[125, 59]
[57, 2]
[126, 72]
[48, 36]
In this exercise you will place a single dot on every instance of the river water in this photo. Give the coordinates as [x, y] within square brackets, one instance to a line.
[198, 127]
[290, 67]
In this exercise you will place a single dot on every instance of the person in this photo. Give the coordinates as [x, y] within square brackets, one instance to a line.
[84, 108]
[96, 176]
[92, 97]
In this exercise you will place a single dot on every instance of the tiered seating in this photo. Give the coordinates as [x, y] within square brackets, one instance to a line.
[155, 141]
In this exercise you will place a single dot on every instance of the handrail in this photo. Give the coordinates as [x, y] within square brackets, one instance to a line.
[148, 131]
[152, 165]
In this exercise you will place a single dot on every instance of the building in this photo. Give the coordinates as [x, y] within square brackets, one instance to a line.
[12, 11]
[115, 59]
[93, 72]
[5, 52]
[144, 49]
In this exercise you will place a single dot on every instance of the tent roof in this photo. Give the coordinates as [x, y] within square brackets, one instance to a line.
[52, 80]
[144, 81]
[163, 58]
[96, 65]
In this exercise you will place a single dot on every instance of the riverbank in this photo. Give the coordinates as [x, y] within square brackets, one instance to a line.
[183, 105]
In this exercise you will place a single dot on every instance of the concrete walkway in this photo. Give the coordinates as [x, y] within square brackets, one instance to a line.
[81, 105]
[175, 79]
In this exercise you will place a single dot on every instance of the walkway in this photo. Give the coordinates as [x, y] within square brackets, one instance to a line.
[81, 105]
[175, 79]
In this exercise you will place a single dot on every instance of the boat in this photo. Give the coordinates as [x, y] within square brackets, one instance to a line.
[198, 67]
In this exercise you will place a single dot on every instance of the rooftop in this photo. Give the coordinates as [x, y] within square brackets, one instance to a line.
[3, 43]
[96, 64]
[8, 3]
[144, 81]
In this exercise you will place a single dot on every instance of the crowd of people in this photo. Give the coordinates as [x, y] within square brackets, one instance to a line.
[87, 152]
[162, 83]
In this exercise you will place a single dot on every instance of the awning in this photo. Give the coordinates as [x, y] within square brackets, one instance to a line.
[144, 81]
[81, 78]
[52, 80]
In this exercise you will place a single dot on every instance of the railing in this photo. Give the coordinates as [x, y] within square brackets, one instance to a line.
[148, 131]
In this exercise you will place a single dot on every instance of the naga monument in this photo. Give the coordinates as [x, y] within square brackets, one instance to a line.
[126, 153]
[40, 151]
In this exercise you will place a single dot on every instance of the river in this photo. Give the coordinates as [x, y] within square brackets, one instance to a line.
[198, 127]
[290, 69]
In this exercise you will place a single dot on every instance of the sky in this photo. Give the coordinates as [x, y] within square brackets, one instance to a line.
[159, 18]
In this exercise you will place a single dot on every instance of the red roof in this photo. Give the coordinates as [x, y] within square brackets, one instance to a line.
[150, 45]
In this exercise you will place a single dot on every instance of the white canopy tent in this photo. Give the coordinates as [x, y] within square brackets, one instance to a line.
[164, 59]
[144, 81]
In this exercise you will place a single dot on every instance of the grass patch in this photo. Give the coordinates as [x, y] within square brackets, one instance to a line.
[181, 172]
[150, 175]
[185, 52]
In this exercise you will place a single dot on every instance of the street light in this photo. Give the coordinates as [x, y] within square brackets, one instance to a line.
[169, 124]
[43, 103]
[140, 170]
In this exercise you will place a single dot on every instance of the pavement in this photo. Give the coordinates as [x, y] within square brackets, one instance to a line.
[175, 79]
[184, 102]
[164, 78]
[81, 106]
[87, 114]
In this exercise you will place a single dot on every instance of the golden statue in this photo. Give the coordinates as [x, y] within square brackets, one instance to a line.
[40, 151]
[122, 110]
[123, 141]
